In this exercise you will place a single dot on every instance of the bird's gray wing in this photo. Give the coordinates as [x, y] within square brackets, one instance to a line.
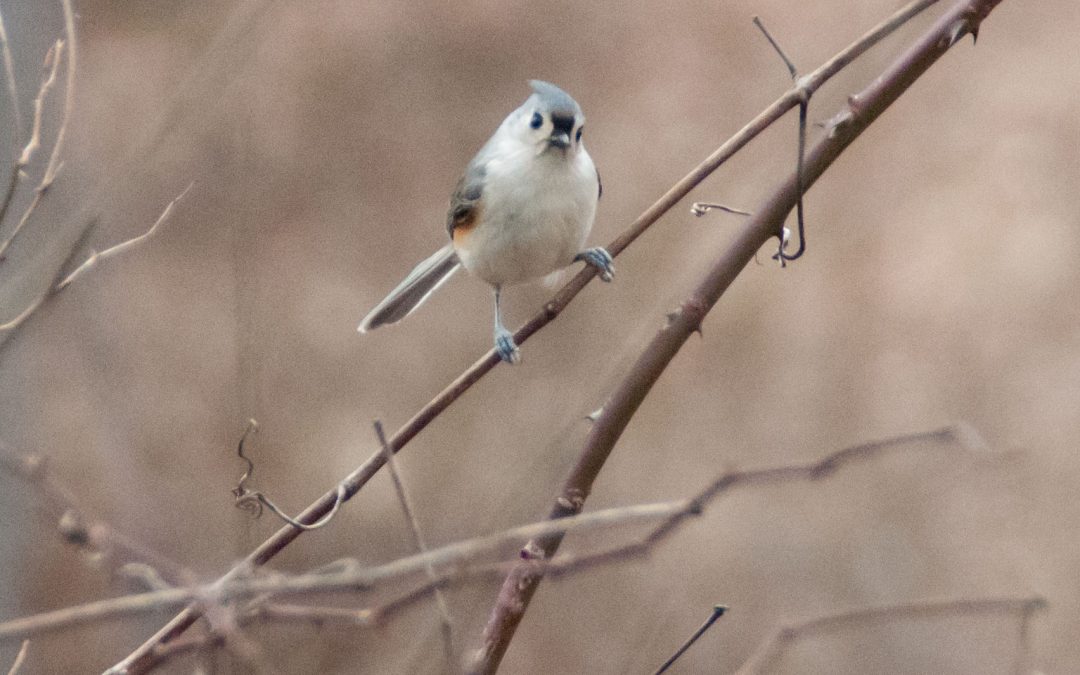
[465, 202]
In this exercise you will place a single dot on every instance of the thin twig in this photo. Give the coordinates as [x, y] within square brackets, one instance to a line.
[445, 621]
[419, 421]
[770, 651]
[318, 616]
[804, 105]
[718, 611]
[521, 584]
[9, 79]
[9, 328]
[965, 438]
[123, 246]
[69, 97]
[19, 658]
[54, 164]
[16, 118]
[48, 79]
[61, 281]
[776, 45]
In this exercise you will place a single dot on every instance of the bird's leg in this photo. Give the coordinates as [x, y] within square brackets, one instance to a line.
[504, 339]
[600, 259]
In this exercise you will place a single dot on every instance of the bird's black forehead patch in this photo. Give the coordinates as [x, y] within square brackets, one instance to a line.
[562, 120]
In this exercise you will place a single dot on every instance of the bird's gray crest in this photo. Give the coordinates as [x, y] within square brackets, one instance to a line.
[553, 99]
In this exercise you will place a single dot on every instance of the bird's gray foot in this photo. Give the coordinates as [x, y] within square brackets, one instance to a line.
[505, 346]
[600, 259]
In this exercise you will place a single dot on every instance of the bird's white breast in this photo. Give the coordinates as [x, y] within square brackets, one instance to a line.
[536, 211]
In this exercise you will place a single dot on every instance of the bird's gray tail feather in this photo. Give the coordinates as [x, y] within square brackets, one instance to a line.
[414, 290]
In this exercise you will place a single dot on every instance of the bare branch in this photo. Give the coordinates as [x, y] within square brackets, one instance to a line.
[69, 98]
[94, 535]
[60, 281]
[16, 119]
[458, 559]
[123, 246]
[54, 164]
[9, 80]
[445, 621]
[770, 651]
[419, 421]
[718, 611]
[352, 578]
[318, 616]
[48, 79]
[19, 658]
[520, 585]
[8, 329]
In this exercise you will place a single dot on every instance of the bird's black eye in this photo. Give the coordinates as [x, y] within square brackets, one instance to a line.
[536, 121]
[578, 137]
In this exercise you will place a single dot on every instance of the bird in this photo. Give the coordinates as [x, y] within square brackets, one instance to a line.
[522, 209]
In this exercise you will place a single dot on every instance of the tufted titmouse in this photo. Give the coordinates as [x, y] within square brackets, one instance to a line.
[522, 210]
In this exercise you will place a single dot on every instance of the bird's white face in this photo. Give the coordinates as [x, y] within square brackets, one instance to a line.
[556, 131]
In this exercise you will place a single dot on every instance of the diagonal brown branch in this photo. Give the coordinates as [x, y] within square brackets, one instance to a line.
[419, 421]
[520, 585]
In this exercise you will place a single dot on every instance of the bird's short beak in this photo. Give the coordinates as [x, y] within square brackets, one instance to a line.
[560, 140]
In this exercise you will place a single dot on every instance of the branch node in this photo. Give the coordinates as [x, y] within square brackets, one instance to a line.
[531, 551]
[73, 529]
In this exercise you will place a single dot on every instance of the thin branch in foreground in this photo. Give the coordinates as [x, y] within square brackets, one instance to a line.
[352, 578]
[445, 621]
[867, 106]
[19, 658]
[959, 435]
[772, 650]
[459, 559]
[718, 611]
[474, 373]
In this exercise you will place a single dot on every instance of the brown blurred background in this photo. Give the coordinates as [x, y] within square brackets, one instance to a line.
[322, 139]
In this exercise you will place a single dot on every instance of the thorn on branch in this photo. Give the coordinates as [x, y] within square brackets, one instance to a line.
[959, 29]
[699, 209]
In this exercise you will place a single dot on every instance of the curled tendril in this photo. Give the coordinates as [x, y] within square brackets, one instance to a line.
[253, 501]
